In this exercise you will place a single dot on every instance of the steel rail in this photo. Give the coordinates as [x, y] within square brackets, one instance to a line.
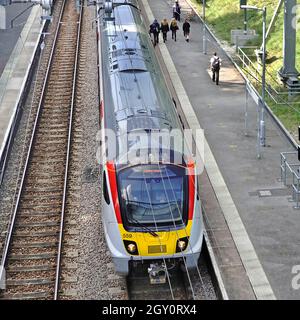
[12, 225]
[61, 232]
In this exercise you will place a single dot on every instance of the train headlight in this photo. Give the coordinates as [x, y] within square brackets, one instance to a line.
[182, 244]
[131, 247]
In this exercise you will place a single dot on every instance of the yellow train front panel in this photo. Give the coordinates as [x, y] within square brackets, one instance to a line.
[161, 245]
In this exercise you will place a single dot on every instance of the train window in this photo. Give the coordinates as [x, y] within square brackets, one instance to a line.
[181, 121]
[153, 195]
[105, 189]
[129, 51]
[132, 65]
[174, 101]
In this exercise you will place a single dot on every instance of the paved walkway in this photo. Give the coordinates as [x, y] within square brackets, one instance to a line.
[271, 222]
[13, 77]
[10, 36]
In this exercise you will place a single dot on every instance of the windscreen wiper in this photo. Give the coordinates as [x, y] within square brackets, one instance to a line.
[154, 234]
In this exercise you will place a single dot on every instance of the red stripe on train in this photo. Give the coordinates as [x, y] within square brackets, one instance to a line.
[192, 186]
[111, 170]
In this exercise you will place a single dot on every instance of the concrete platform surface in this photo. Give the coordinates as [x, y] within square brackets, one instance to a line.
[14, 74]
[269, 219]
[10, 36]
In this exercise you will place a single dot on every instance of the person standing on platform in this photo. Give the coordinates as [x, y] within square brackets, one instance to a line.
[176, 11]
[186, 27]
[164, 27]
[174, 27]
[215, 64]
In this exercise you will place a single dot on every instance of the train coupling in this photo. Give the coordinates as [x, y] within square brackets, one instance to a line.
[157, 273]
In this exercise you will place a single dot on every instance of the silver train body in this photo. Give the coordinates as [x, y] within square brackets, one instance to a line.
[151, 211]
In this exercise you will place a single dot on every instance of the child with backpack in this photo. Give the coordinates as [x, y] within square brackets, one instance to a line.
[215, 64]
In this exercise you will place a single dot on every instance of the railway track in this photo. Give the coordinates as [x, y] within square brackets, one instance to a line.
[191, 285]
[139, 286]
[32, 255]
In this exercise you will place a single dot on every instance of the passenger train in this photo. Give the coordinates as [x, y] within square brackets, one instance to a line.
[151, 210]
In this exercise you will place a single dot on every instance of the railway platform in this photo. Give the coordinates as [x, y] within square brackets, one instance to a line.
[9, 36]
[253, 227]
[17, 48]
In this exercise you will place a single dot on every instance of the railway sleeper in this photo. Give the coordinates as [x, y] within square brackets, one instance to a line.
[28, 295]
[52, 137]
[19, 269]
[36, 189]
[47, 244]
[30, 196]
[52, 233]
[33, 207]
[37, 224]
[19, 257]
[52, 130]
[39, 215]
[30, 282]
[54, 126]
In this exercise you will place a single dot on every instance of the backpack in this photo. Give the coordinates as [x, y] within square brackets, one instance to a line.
[154, 28]
[216, 63]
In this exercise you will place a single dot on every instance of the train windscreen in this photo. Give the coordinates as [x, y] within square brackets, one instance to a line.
[153, 195]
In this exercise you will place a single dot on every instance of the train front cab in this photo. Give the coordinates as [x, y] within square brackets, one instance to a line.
[152, 212]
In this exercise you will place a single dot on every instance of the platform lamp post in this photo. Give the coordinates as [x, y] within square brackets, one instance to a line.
[244, 3]
[261, 126]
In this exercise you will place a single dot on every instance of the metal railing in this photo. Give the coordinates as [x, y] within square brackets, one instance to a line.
[290, 174]
[280, 97]
[247, 63]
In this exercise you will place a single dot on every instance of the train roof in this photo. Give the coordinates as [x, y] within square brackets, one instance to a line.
[138, 97]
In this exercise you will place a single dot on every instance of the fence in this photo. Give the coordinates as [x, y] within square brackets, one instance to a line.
[253, 70]
[290, 174]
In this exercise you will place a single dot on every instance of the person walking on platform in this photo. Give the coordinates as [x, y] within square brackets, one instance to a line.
[164, 27]
[174, 27]
[176, 10]
[215, 64]
[186, 30]
[154, 29]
